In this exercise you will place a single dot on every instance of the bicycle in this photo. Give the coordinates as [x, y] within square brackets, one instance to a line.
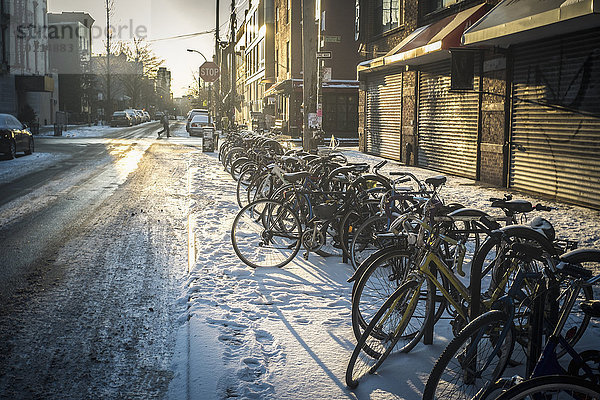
[407, 313]
[464, 370]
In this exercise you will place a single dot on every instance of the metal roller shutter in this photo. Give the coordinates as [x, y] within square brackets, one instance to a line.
[383, 117]
[555, 138]
[447, 123]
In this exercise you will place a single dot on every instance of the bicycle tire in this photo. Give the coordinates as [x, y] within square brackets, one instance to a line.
[352, 220]
[266, 233]
[454, 353]
[377, 283]
[588, 259]
[368, 239]
[244, 181]
[371, 350]
[572, 388]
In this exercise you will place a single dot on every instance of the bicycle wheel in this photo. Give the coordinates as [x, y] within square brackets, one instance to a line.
[553, 387]
[266, 233]
[382, 333]
[370, 237]
[500, 258]
[376, 284]
[474, 359]
[577, 321]
[243, 183]
[352, 220]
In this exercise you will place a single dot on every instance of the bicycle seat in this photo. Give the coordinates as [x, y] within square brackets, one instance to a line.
[514, 205]
[294, 177]
[289, 158]
[436, 181]
[591, 308]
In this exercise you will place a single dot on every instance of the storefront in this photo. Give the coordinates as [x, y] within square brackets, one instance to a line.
[554, 141]
[410, 111]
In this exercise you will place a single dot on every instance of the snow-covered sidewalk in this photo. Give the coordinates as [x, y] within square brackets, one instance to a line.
[286, 333]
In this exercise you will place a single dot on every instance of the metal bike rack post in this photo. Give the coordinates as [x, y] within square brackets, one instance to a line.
[536, 328]
[475, 286]
[428, 335]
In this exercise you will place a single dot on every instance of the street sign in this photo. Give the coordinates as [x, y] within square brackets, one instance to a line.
[209, 71]
[323, 54]
[332, 39]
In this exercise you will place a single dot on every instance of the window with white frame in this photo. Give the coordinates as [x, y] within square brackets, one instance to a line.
[388, 15]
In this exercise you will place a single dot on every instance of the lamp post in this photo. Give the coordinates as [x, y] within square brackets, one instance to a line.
[200, 79]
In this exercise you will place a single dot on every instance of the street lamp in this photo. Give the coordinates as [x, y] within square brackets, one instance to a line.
[196, 51]
[200, 81]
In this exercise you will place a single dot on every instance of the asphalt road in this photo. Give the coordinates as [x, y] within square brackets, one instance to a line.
[93, 251]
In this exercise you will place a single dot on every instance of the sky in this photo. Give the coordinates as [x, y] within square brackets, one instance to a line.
[156, 19]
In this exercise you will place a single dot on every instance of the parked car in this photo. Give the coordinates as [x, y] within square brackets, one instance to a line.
[14, 136]
[147, 115]
[192, 114]
[142, 116]
[203, 126]
[120, 118]
[198, 123]
[135, 118]
[158, 116]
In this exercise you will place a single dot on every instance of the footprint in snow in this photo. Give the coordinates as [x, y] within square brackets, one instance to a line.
[301, 320]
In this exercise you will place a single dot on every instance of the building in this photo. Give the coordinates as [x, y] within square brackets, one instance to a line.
[285, 94]
[28, 89]
[163, 86]
[338, 91]
[70, 53]
[242, 112]
[502, 92]
[258, 60]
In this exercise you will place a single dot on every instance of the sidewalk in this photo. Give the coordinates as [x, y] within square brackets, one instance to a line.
[286, 333]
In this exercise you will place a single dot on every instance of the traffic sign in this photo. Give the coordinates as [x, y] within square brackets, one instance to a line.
[323, 54]
[209, 71]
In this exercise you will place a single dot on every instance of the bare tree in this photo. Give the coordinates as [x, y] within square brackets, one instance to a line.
[139, 71]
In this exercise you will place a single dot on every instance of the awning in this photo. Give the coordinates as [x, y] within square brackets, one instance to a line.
[429, 43]
[34, 83]
[516, 21]
[286, 87]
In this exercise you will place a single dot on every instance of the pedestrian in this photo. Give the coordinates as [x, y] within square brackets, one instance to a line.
[165, 122]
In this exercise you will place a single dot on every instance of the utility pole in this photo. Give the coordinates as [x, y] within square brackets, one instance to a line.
[108, 111]
[309, 67]
[232, 95]
[217, 61]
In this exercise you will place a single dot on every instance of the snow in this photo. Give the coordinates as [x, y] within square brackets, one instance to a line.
[11, 170]
[84, 131]
[286, 333]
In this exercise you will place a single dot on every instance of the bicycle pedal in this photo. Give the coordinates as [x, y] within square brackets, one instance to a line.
[305, 255]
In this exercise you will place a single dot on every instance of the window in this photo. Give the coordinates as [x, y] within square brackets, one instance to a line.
[388, 15]
[340, 113]
[287, 11]
[430, 6]
[287, 56]
[276, 19]
[357, 21]
[277, 64]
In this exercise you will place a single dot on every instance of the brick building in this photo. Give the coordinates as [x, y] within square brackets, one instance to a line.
[339, 87]
[521, 109]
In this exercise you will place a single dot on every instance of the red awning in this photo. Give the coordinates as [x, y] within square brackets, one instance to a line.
[429, 43]
[516, 21]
